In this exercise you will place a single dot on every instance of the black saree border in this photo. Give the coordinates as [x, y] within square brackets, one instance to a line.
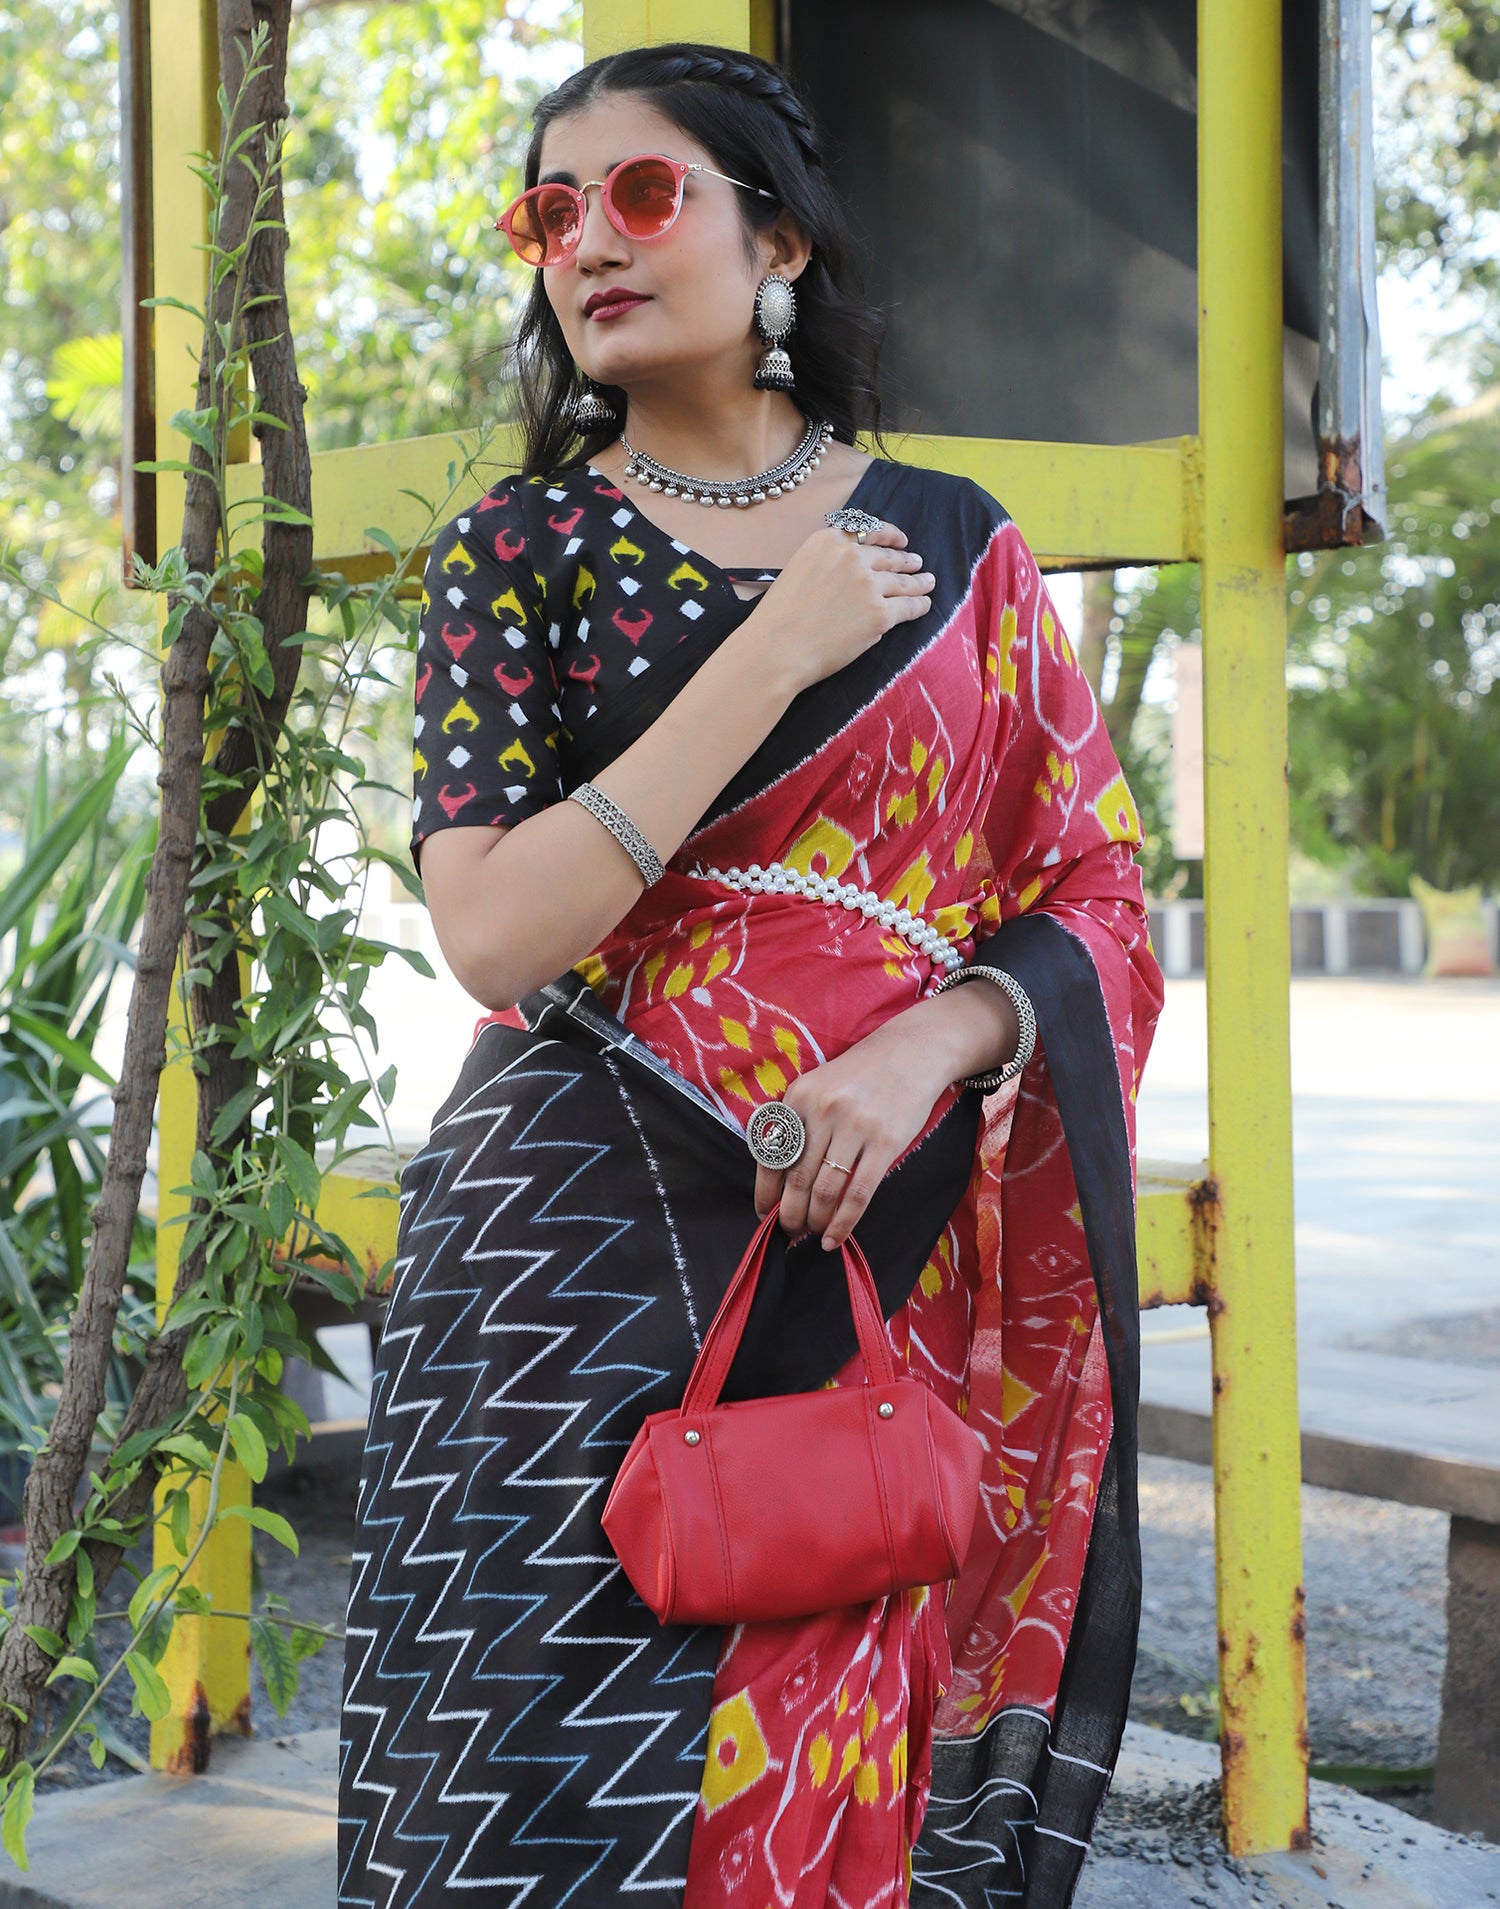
[1013, 1810]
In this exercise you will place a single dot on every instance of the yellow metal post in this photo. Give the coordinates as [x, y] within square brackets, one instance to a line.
[1252, 1309]
[207, 1663]
[610, 25]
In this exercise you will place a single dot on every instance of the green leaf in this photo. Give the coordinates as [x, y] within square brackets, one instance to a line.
[84, 1566]
[249, 1446]
[18, 1806]
[278, 1663]
[97, 1751]
[234, 1110]
[301, 1170]
[202, 1175]
[185, 1445]
[70, 1666]
[46, 1640]
[179, 1520]
[66, 1545]
[147, 1592]
[306, 1643]
[198, 427]
[386, 1086]
[385, 541]
[271, 1522]
[150, 1689]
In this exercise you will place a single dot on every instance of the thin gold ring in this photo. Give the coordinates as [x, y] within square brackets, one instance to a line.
[835, 1165]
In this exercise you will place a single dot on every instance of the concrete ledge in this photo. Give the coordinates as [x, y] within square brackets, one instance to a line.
[1155, 1847]
[260, 1827]
[1418, 1431]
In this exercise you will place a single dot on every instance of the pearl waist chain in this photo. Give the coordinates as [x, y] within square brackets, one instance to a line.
[777, 879]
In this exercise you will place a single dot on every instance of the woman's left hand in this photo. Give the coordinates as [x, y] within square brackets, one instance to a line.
[864, 1109]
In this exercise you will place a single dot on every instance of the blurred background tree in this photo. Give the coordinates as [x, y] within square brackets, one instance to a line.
[410, 121]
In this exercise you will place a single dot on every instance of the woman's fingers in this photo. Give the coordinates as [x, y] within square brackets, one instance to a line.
[768, 1188]
[858, 1187]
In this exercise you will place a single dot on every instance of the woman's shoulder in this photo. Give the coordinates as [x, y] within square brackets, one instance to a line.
[945, 489]
[942, 511]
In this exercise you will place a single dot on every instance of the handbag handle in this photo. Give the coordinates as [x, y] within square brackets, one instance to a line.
[722, 1340]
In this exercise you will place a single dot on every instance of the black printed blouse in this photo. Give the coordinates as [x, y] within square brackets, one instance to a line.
[541, 603]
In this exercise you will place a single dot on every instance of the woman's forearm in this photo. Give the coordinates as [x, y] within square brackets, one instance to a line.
[553, 887]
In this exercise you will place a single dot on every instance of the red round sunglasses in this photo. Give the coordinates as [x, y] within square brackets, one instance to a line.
[642, 197]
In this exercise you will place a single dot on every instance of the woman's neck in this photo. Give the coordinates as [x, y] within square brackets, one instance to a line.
[715, 435]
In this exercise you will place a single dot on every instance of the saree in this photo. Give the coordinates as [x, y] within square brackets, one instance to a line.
[515, 1722]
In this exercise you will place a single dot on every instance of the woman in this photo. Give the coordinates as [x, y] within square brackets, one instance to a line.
[825, 770]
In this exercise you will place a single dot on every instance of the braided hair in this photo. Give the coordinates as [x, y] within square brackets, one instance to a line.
[743, 112]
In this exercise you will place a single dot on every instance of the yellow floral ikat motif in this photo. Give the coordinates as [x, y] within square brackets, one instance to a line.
[912, 888]
[825, 838]
[622, 550]
[685, 577]
[735, 1032]
[867, 1781]
[1060, 774]
[509, 603]
[515, 757]
[1007, 650]
[850, 1758]
[772, 1080]
[1014, 1397]
[678, 981]
[584, 585]
[737, 1755]
[1116, 811]
[418, 763]
[819, 1759]
[787, 1041]
[459, 560]
[460, 716]
[1016, 1599]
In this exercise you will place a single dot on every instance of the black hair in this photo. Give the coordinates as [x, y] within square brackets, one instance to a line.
[743, 112]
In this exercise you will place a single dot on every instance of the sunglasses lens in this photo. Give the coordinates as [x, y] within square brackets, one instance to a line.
[645, 195]
[544, 225]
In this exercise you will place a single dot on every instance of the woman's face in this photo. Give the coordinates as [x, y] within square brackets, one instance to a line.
[693, 289]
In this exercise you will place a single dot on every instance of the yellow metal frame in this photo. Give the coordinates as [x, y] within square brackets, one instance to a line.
[1220, 1237]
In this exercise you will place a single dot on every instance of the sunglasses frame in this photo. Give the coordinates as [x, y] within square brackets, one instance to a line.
[679, 168]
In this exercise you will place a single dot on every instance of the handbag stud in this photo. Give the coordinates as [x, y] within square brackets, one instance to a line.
[690, 1438]
[886, 1410]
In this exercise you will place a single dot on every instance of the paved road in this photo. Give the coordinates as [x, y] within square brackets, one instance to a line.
[1396, 1143]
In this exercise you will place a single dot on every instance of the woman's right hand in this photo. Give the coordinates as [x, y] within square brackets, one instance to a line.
[835, 600]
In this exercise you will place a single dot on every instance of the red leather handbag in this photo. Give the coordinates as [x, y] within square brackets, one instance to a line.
[779, 1507]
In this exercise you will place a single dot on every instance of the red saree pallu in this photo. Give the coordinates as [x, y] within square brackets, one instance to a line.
[515, 1721]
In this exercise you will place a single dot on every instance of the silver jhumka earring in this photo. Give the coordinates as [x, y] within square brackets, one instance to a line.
[775, 315]
[591, 410]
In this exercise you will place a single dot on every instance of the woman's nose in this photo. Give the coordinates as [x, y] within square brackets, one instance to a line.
[601, 247]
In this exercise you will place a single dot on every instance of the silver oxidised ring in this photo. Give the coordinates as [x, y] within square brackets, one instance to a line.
[775, 1135]
[858, 523]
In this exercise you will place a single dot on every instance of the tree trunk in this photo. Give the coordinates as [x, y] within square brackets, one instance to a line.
[45, 1594]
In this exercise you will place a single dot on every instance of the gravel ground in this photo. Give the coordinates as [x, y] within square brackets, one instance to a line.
[1375, 1576]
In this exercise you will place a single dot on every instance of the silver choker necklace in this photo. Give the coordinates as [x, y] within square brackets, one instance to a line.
[785, 476]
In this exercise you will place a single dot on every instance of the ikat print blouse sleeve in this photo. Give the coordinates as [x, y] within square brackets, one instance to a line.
[487, 723]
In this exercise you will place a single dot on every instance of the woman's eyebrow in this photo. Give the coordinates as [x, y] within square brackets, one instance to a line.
[571, 179]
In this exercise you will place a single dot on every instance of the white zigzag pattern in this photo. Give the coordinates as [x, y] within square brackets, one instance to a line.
[445, 1450]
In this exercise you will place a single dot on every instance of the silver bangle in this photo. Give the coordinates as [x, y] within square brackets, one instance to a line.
[621, 828]
[1020, 1000]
